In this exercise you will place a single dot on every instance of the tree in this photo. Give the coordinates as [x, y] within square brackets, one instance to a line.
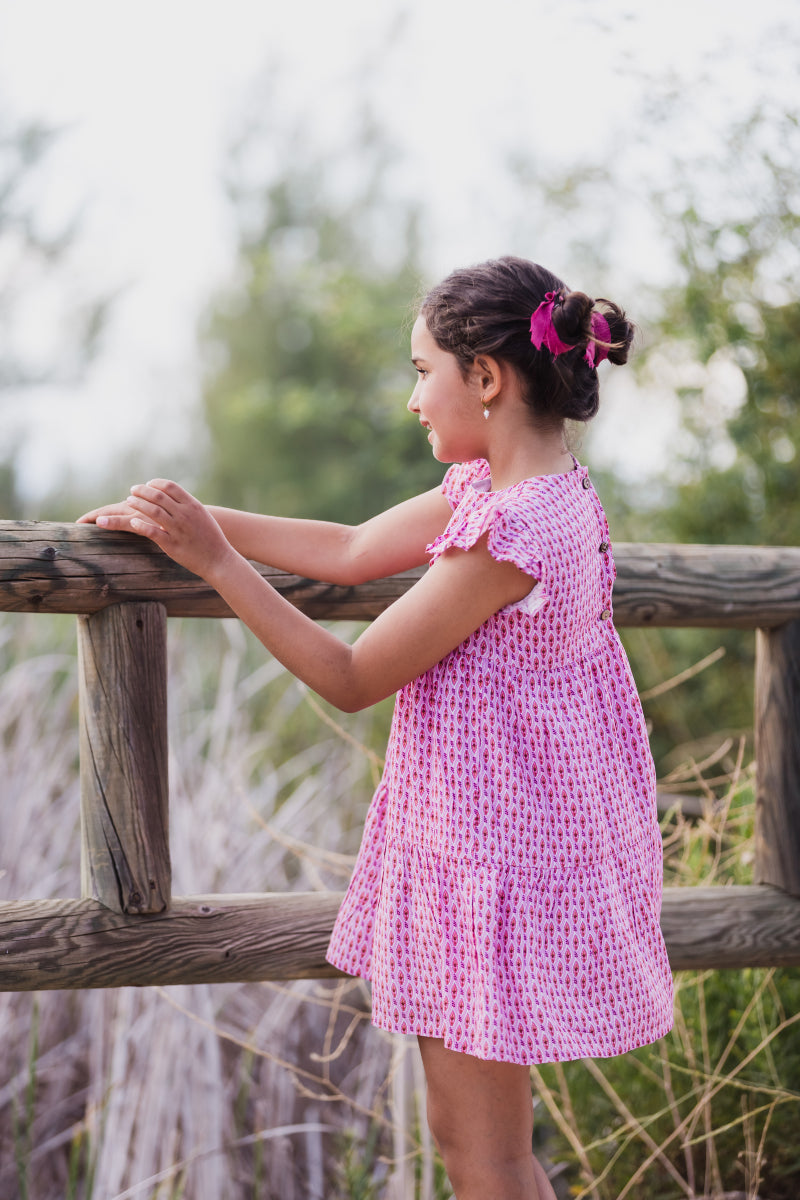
[727, 340]
[733, 325]
[305, 396]
[35, 348]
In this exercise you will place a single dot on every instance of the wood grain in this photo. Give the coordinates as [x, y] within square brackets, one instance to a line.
[730, 927]
[49, 567]
[777, 740]
[122, 659]
[742, 587]
[47, 944]
[200, 939]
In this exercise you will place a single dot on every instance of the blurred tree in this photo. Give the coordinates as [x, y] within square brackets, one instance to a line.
[48, 329]
[721, 337]
[727, 341]
[307, 353]
[731, 329]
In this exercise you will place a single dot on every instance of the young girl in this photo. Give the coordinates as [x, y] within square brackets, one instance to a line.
[505, 902]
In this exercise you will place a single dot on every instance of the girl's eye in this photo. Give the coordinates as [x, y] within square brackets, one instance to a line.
[421, 372]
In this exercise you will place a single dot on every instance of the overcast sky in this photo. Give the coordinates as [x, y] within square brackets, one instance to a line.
[149, 94]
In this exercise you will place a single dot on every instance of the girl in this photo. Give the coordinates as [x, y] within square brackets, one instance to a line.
[505, 901]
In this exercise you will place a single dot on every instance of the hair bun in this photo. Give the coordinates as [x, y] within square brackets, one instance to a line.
[572, 317]
[491, 308]
[621, 332]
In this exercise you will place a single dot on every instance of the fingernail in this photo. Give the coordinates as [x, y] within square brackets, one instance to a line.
[102, 521]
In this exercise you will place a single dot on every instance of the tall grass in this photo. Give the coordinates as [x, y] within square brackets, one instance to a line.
[205, 1091]
[713, 1109]
[223, 1092]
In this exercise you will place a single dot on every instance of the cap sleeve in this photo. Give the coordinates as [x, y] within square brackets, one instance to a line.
[459, 477]
[508, 521]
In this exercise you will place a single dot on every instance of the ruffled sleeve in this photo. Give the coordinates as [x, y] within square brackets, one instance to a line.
[509, 521]
[461, 476]
[512, 538]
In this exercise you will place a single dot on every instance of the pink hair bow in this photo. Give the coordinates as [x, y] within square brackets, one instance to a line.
[543, 332]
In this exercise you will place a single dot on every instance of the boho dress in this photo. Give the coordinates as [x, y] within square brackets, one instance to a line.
[507, 892]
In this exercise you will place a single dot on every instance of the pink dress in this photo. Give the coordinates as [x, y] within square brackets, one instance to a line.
[507, 892]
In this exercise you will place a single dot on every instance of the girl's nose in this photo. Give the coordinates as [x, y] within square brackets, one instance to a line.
[413, 403]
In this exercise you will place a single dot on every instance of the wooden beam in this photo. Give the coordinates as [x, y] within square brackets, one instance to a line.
[49, 567]
[692, 586]
[730, 927]
[122, 658]
[47, 944]
[777, 743]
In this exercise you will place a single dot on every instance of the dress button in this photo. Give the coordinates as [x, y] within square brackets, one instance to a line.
[604, 547]
[605, 614]
[586, 482]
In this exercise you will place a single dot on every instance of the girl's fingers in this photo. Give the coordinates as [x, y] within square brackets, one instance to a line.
[109, 521]
[169, 487]
[149, 530]
[162, 491]
[152, 495]
[148, 508]
[105, 510]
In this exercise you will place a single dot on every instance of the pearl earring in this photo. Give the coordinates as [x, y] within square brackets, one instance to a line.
[486, 405]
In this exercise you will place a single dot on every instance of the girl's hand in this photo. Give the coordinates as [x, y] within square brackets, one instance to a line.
[121, 512]
[177, 522]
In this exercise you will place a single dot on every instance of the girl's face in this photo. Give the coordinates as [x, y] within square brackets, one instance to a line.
[447, 404]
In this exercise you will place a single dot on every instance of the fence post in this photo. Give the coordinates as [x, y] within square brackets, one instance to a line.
[122, 659]
[777, 738]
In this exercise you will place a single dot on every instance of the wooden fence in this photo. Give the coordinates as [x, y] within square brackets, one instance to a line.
[128, 928]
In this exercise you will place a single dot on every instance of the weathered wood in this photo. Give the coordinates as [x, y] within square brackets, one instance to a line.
[54, 568]
[737, 926]
[217, 939]
[199, 939]
[740, 587]
[777, 741]
[48, 567]
[122, 656]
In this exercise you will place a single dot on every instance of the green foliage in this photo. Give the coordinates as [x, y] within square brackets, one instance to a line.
[36, 267]
[690, 720]
[305, 394]
[731, 328]
[357, 1172]
[726, 342]
[714, 1106]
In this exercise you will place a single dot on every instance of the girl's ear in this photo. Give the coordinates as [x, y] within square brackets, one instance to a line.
[488, 375]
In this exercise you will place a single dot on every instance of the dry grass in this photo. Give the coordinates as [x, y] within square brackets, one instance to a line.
[706, 1111]
[231, 1091]
[213, 1092]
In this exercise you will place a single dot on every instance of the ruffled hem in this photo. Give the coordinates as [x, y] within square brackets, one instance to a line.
[578, 1048]
[507, 966]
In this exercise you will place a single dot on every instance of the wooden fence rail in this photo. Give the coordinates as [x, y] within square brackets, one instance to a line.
[128, 929]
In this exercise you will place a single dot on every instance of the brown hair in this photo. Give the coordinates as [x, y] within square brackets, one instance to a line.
[487, 309]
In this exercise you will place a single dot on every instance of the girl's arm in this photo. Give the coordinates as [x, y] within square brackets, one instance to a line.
[453, 598]
[391, 542]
